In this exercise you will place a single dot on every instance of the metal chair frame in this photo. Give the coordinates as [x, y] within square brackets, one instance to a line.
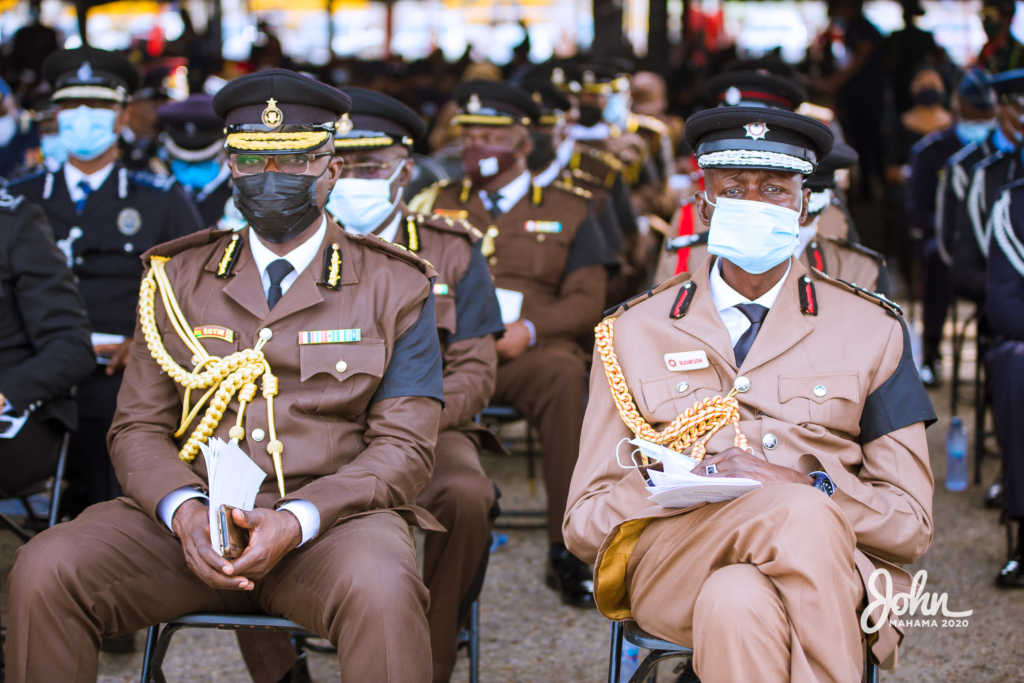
[55, 497]
[660, 650]
[503, 414]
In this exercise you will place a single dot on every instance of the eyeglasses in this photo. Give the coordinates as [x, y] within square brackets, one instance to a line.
[369, 170]
[294, 164]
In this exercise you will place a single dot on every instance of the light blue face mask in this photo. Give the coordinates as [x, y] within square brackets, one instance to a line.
[360, 204]
[53, 150]
[974, 132]
[616, 109]
[755, 236]
[195, 174]
[86, 132]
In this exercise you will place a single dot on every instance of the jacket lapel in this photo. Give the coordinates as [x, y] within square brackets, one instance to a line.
[702, 320]
[245, 286]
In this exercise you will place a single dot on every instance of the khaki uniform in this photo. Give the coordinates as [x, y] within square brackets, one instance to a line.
[358, 421]
[835, 222]
[767, 586]
[547, 247]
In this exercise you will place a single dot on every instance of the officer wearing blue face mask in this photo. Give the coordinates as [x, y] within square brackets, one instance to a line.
[104, 217]
[192, 146]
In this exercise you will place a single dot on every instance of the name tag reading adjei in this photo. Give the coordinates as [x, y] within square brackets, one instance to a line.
[686, 360]
[329, 336]
[543, 226]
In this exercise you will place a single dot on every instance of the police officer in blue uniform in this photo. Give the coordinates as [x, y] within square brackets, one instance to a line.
[192, 140]
[103, 217]
[928, 157]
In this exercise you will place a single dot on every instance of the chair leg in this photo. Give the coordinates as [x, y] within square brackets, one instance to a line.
[160, 651]
[58, 480]
[615, 657]
[648, 667]
[147, 657]
[870, 671]
[980, 405]
[531, 467]
[958, 345]
[474, 642]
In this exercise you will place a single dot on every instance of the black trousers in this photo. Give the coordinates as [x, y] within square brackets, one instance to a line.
[90, 475]
[934, 297]
[30, 456]
[1005, 365]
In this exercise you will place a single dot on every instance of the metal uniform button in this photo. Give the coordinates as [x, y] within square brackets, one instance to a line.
[819, 390]
[196, 360]
[682, 386]
[493, 261]
[342, 366]
[129, 247]
[741, 384]
[258, 434]
[769, 441]
[541, 238]
[79, 260]
[266, 334]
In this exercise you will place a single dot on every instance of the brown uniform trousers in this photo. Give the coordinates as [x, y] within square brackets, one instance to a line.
[358, 444]
[562, 276]
[459, 494]
[766, 587]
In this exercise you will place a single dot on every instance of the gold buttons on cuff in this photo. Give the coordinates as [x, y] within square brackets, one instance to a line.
[266, 334]
[682, 386]
[258, 434]
[342, 366]
[741, 384]
[819, 390]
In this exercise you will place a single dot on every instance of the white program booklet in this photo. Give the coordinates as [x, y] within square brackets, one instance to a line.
[234, 480]
[511, 304]
[678, 487]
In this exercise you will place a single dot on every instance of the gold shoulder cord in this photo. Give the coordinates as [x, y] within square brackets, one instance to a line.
[703, 419]
[221, 377]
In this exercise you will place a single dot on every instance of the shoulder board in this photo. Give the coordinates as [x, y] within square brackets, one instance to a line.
[607, 158]
[1010, 187]
[35, 173]
[453, 225]
[424, 200]
[890, 306]
[10, 203]
[589, 178]
[175, 247]
[926, 141]
[162, 183]
[859, 248]
[652, 123]
[964, 152]
[396, 251]
[618, 309]
[572, 189]
[989, 160]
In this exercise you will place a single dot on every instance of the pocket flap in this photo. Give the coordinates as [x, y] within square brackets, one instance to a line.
[659, 390]
[342, 360]
[829, 385]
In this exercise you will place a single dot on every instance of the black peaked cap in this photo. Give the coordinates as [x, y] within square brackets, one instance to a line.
[733, 87]
[550, 99]
[376, 112]
[842, 156]
[500, 96]
[64, 69]
[786, 132]
[1008, 82]
[191, 123]
[302, 100]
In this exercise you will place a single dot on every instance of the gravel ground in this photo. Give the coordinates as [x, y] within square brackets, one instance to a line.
[528, 635]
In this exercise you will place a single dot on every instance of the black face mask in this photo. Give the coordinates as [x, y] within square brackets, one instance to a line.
[278, 206]
[590, 115]
[543, 151]
[928, 97]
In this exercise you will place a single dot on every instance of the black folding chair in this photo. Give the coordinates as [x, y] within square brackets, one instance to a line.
[499, 415]
[32, 519]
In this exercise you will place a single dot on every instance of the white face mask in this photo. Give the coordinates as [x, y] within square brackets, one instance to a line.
[755, 236]
[361, 205]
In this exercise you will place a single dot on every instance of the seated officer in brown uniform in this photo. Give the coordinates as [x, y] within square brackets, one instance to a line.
[339, 331]
[546, 251]
[829, 417]
[374, 141]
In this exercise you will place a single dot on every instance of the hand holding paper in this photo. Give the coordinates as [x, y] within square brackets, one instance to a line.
[234, 481]
[678, 487]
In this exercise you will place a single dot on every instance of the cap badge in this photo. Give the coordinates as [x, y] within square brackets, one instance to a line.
[756, 131]
[85, 72]
[473, 106]
[558, 76]
[345, 124]
[733, 96]
[537, 98]
[272, 116]
[588, 77]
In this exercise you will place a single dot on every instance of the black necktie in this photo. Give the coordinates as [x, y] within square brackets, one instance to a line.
[278, 271]
[495, 209]
[755, 314]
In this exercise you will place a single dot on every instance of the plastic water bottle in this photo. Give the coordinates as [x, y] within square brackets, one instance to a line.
[956, 456]
[630, 661]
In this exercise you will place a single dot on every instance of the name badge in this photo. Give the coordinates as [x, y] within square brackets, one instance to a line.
[452, 213]
[215, 331]
[440, 290]
[543, 226]
[686, 360]
[329, 336]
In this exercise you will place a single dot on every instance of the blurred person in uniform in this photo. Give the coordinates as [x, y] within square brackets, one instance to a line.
[649, 94]
[1004, 361]
[139, 136]
[908, 48]
[1002, 52]
[103, 216]
[927, 182]
[192, 147]
[825, 401]
[550, 264]
[340, 331]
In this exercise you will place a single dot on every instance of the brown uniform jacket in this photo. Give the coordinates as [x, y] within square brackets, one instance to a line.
[468, 315]
[547, 247]
[358, 420]
[866, 431]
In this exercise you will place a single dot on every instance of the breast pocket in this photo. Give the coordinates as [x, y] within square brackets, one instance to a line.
[339, 379]
[667, 396]
[831, 400]
[552, 255]
[183, 355]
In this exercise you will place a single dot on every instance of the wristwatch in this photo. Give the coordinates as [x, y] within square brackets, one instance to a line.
[823, 482]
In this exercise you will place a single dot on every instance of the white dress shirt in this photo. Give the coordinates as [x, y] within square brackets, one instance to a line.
[805, 237]
[725, 298]
[510, 194]
[300, 258]
[601, 131]
[387, 234]
[548, 175]
[73, 177]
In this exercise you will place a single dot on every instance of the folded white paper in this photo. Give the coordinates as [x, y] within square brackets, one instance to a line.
[511, 304]
[233, 478]
[678, 487]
